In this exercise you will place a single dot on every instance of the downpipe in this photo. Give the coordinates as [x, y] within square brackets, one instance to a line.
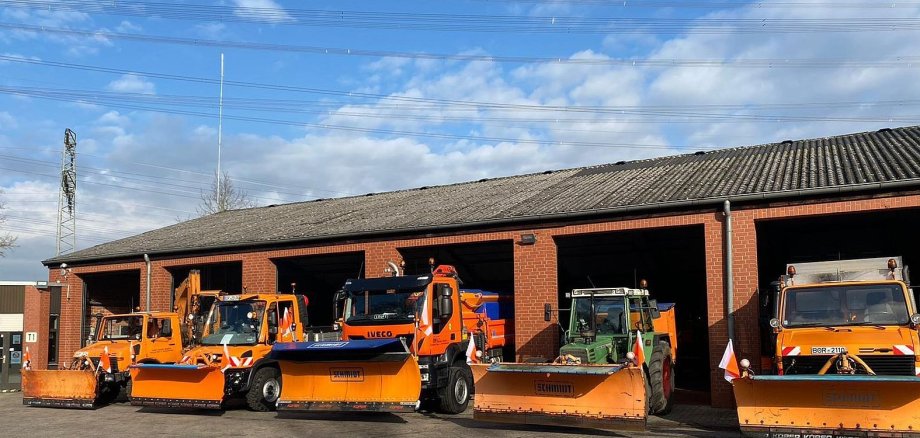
[147, 262]
[729, 271]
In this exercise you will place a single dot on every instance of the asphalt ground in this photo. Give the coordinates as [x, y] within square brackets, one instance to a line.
[122, 419]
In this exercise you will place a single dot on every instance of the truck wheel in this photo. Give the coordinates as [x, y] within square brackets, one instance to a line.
[108, 393]
[128, 387]
[264, 390]
[661, 376]
[455, 397]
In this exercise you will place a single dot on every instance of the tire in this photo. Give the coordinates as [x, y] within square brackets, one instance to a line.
[264, 391]
[128, 387]
[108, 393]
[455, 397]
[661, 379]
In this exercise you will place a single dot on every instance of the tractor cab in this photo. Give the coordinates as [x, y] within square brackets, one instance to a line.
[604, 322]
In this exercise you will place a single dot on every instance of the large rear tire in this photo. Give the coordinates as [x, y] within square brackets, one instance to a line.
[264, 391]
[661, 377]
[455, 397]
[108, 392]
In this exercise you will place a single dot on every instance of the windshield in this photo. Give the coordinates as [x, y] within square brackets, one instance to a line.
[121, 327]
[608, 314]
[391, 306]
[871, 304]
[234, 323]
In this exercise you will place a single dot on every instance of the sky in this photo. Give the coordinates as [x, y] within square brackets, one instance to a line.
[327, 99]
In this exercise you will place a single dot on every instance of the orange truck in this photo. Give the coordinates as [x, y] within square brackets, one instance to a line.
[230, 361]
[406, 339]
[847, 347]
[99, 371]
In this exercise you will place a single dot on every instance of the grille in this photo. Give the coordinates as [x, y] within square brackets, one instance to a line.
[882, 365]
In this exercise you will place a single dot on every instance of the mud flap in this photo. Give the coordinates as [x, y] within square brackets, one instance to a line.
[370, 375]
[59, 388]
[832, 405]
[177, 386]
[597, 396]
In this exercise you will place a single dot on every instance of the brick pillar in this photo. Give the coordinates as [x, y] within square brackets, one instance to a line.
[160, 288]
[376, 256]
[71, 313]
[718, 326]
[35, 319]
[746, 305]
[260, 275]
[536, 284]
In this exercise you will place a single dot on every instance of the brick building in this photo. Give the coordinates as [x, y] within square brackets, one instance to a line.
[537, 236]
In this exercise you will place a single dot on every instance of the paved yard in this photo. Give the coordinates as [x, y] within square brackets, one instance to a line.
[122, 419]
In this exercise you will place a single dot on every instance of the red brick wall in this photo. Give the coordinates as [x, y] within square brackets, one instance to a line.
[534, 272]
[37, 307]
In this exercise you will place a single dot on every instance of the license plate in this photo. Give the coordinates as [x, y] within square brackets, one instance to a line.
[827, 350]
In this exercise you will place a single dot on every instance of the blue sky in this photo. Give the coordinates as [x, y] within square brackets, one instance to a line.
[349, 97]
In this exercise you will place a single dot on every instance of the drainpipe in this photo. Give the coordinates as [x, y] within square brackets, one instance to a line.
[729, 271]
[147, 261]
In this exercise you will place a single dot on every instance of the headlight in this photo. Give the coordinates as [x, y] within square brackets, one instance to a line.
[774, 323]
[915, 319]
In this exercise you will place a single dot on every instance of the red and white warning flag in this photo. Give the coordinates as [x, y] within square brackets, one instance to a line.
[729, 363]
[105, 363]
[638, 349]
[27, 360]
[471, 352]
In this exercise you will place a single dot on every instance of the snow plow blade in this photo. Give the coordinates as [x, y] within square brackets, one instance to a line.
[828, 405]
[177, 386]
[368, 375]
[59, 388]
[596, 396]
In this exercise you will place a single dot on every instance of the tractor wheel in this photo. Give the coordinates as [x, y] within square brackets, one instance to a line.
[128, 387]
[661, 377]
[264, 390]
[108, 393]
[455, 397]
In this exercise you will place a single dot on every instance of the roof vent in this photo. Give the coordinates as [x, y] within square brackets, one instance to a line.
[619, 163]
[547, 172]
[272, 205]
[370, 194]
[884, 130]
[786, 142]
[423, 188]
[319, 199]
[699, 153]
[484, 180]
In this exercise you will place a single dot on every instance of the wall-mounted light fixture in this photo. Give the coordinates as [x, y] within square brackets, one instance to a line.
[528, 239]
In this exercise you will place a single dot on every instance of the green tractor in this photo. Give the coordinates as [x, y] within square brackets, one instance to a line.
[603, 326]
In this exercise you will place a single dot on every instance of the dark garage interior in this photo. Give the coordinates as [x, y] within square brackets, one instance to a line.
[109, 293]
[672, 260]
[319, 277]
[836, 237]
[227, 277]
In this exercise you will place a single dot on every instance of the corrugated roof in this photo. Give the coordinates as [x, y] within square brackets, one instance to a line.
[792, 168]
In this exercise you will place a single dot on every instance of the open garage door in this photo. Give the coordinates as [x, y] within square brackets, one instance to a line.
[835, 237]
[488, 266]
[673, 261]
[319, 277]
[108, 293]
[227, 277]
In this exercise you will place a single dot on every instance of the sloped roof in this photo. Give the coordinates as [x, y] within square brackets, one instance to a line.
[863, 161]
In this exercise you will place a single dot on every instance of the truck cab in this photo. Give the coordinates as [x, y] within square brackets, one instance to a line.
[862, 313]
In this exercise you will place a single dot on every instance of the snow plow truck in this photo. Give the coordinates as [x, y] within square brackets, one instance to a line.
[617, 365]
[846, 358]
[406, 340]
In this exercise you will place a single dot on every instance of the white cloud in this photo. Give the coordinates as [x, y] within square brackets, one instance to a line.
[131, 83]
[127, 26]
[7, 121]
[262, 10]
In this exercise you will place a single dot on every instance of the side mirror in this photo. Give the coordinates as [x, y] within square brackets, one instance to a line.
[653, 309]
[446, 291]
[446, 307]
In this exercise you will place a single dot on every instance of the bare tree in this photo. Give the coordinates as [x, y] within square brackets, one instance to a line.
[7, 240]
[223, 198]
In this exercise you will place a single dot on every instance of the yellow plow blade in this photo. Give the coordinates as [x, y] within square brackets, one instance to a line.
[59, 388]
[835, 405]
[596, 396]
[348, 376]
[177, 386]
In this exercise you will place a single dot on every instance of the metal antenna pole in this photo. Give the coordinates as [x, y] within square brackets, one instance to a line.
[67, 197]
[220, 128]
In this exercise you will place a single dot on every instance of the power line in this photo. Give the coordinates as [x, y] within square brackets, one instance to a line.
[897, 62]
[403, 21]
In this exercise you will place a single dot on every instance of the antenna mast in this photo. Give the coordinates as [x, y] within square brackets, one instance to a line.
[67, 199]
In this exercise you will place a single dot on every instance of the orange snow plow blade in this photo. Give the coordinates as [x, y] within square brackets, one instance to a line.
[832, 405]
[366, 375]
[596, 396]
[59, 388]
[177, 386]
